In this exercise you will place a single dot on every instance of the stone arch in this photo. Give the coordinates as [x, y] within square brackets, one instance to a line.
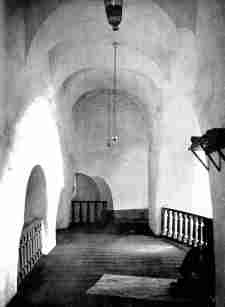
[119, 165]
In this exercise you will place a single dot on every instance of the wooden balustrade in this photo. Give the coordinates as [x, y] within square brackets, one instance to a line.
[29, 249]
[187, 228]
[88, 212]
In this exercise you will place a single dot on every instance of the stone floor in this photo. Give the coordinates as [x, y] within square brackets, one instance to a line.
[83, 255]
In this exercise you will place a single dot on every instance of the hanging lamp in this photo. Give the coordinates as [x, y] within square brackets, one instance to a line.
[114, 10]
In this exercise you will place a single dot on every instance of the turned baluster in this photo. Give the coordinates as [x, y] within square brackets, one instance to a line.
[32, 247]
[180, 232]
[165, 222]
[39, 241]
[89, 212]
[96, 211]
[196, 231]
[170, 232]
[35, 244]
[73, 213]
[19, 279]
[175, 233]
[99, 211]
[20, 264]
[206, 233]
[80, 212]
[191, 229]
[185, 238]
[24, 254]
[76, 209]
[84, 212]
[92, 212]
[202, 225]
[21, 255]
[26, 269]
[29, 251]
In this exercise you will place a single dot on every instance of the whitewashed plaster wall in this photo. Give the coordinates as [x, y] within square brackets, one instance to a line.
[61, 51]
[74, 55]
[28, 134]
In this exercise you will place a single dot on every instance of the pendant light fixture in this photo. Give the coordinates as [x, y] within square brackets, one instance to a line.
[114, 10]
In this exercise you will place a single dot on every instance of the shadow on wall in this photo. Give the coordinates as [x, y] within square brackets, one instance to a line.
[105, 191]
[36, 199]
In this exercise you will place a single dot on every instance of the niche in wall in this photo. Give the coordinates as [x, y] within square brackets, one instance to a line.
[30, 248]
[36, 199]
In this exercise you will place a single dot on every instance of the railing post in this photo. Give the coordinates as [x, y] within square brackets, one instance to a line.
[99, 211]
[191, 230]
[92, 212]
[26, 269]
[180, 232]
[165, 222]
[185, 239]
[170, 232]
[196, 231]
[201, 240]
[175, 232]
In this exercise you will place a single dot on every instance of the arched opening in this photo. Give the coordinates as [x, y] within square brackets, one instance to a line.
[124, 166]
[90, 200]
[30, 248]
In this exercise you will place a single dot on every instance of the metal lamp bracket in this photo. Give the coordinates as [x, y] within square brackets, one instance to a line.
[212, 142]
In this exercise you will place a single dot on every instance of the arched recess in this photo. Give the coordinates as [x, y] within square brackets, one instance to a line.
[35, 221]
[87, 206]
[36, 197]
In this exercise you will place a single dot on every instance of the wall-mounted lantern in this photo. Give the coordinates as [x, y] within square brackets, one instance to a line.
[213, 141]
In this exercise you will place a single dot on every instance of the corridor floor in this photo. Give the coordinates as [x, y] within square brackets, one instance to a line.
[81, 257]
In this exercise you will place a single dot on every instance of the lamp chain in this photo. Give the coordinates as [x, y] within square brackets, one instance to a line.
[112, 120]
